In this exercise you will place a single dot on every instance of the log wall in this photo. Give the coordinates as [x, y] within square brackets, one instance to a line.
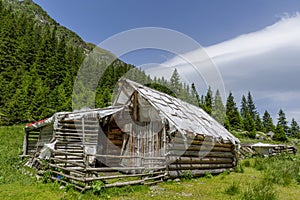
[202, 155]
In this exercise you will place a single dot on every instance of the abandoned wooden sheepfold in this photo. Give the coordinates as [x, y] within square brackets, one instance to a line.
[146, 134]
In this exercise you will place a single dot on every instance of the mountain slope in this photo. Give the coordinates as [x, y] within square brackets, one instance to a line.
[39, 60]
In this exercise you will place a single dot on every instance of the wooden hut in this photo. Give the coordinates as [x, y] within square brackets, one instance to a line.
[146, 134]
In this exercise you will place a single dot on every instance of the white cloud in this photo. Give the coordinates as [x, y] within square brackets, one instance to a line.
[266, 62]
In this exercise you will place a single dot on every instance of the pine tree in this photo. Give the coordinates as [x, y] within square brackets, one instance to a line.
[268, 122]
[233, 114]
[295, 129]
[280, 134]
[208, 101]
[259, 124]
[175, 82]
[244, 107]
[195, 96]
[282, 121]
[251, 106]
[218, 110]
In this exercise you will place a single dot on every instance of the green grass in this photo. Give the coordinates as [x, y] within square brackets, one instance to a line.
[256, 178]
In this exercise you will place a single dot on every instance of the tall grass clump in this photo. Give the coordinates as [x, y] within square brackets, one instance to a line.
[260, 191]
[282, 169]
[233, 189]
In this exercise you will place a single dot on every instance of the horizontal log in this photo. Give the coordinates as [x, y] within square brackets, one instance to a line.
[201, 154]
[200, 148]
[154, 177]
[121, 176]
[114, 169]
[196, 173]
[78, 170]
[69, 162]
[56, 152]
[153, 182]
[198, 166]
[193, 160]
[67, 130]
[199, 142]
[190, 136]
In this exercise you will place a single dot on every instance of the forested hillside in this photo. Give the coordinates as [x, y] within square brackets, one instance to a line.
[39, 60]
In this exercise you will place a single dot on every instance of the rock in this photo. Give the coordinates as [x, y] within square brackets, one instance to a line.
[177, 180]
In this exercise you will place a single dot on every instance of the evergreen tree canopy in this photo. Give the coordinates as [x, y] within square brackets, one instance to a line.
[218, 109]
[232, 113]
[208, 101]
[282, 121]
[268, 122]
[295, 129]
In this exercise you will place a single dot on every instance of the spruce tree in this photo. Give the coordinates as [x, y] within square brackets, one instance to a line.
[295, 129]
[233, 114]
[218, 110]
[175, 82]
[244, 107]
[282, 121]
[208, 101]
[195, 96]
[251, 106]
[268, 122]
[280, 134]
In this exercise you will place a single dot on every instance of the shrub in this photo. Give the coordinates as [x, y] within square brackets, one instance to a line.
[187, 175]
[97, 186]
[239, 168]
[208, 175]
[246, 163]
[233, 189]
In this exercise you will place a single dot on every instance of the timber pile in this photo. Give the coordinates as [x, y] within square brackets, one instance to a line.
[247, 150]
[284, 149]
[200, 157]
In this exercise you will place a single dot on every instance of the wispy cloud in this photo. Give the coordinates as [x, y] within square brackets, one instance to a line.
[265, 62]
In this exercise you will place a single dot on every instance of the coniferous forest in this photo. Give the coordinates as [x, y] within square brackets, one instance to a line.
[39, 61]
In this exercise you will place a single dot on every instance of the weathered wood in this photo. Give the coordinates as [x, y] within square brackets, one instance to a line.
[201, 148]
[193, 160]
[178, 173]
[201, 154]
[65, 182]
[25, 144]
[68, 162]
[198, 166]
[121, 176]
[69, 176]
[114, 169]
[178, 140]
[78, 171]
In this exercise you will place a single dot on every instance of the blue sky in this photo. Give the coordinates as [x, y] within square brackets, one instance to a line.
[222, 27]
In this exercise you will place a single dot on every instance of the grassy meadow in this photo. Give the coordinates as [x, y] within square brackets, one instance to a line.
[254, 178]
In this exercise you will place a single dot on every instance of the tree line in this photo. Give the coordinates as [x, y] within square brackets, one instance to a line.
[242, 118]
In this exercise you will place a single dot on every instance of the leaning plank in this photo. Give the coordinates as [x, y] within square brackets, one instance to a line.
[65, 182]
